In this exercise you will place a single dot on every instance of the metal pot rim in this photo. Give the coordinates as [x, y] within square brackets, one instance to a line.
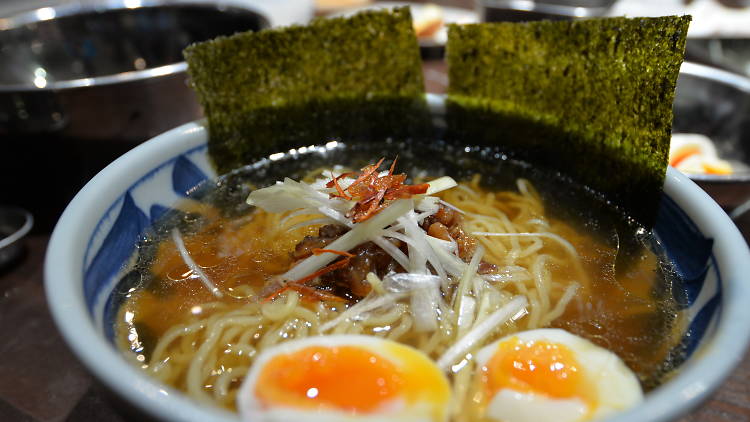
[733, 80]
[708, 72]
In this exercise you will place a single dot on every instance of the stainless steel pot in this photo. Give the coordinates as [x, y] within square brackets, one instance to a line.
[80, 84]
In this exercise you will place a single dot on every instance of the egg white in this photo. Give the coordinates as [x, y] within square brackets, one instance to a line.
[251, 409]
[616, 387]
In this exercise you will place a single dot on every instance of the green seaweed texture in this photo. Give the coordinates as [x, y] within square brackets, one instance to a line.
[295, 86]
[591, 98]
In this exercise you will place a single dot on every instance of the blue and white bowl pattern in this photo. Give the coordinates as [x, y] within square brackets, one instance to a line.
[691, 253]
[112, 246]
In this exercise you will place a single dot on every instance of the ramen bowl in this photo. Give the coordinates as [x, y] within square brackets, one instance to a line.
[92, 246]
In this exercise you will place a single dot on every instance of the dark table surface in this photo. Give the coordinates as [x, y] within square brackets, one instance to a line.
[41, 380]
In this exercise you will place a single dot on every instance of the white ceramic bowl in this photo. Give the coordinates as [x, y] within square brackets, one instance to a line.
[94, 239]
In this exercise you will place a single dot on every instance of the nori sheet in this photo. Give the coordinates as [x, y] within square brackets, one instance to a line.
[591, 99]
[266, 91]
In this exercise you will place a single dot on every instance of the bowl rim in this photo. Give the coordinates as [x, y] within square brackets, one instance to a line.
[64, 265]
[63, 274]
[99, 6]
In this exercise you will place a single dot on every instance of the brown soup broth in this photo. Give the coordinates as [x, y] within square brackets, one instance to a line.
[631, 308]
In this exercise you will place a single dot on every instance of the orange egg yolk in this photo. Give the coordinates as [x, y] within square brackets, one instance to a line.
[345, 378]
[536, 367]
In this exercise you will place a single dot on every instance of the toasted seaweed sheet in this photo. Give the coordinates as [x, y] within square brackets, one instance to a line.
[298, 86]
[592, 98]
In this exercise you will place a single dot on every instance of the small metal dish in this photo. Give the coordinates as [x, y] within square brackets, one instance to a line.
[15, 224]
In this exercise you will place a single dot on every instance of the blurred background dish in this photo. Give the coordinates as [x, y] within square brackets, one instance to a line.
[324, 7]
[15, 224]
[716, 103]
[527, 10]
[732, 54]
[83, 83]
[430, 22]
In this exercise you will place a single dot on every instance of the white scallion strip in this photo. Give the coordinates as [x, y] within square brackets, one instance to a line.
[321, 197]
[466, 314]
[425, 303]
[467, 276]
[427, 204]
[376, 283]
[452, 264]
[425, 296]
[412, 229]
[391, 233]
[367, 304]
[285, 196]
[335, 215]
[453, 207]
[320, 185]
[392, 250]
[195, 268]
[440, 184]
[409, 282]
[481, 330]
[417, 255]
[420, 217]
[360, 233]
[567, 245]
[449, 246]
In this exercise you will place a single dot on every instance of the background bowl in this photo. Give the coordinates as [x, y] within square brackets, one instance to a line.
[15, 224]
[81, 84]
[94, 239]
[716, 103]
[732, 54]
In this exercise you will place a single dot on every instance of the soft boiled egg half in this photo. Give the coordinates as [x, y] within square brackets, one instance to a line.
[344, 378]
[552, 375]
